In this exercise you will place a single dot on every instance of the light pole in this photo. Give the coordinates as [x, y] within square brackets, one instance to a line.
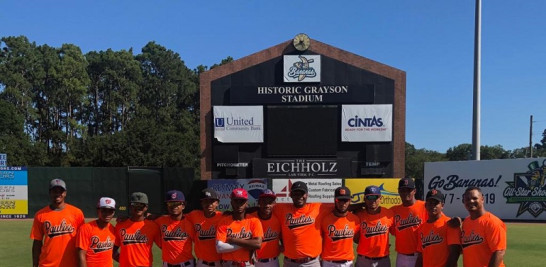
[477, 83]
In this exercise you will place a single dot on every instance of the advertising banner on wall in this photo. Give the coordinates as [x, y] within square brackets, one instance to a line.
[13, 193]
[301, 68]
[224, 187]
[388, 187]
[302, 168]
[366, 123]
[238, 124]
[513, 189]
[320, 190]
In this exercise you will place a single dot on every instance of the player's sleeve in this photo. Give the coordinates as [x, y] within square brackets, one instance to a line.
[81, 239]
[117, 242]
[221, 231]
[496, 235]
[157, 234]
[257, 230]
[390, 217]
[453, 235]
[37, 231]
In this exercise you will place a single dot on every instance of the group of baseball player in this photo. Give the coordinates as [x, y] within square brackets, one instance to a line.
[307, 234]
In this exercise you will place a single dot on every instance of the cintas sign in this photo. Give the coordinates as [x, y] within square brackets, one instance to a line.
[282, 168]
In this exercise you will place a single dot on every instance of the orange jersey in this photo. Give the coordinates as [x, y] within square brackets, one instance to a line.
[480, 238]
[204, 231]
[57, 230]
[406, 222]
[337, 236]
[374, 233]
[434, 239]
[176, 239]
[135, 240]
[270, 242]
[248, 228]
[98, 244]
[300, 228]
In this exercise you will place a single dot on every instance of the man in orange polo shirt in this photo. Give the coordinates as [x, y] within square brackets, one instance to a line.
[136, 236]
[339, 228]
[205, 223]
[300, 227]
[176, 232]
[408, 216]
[238, 235]
[95, 241]
[484, 234]
[267, 255]
[439, 245]
[54, 230]
[375, 222]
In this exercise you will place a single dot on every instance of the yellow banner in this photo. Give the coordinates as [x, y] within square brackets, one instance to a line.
[13, 207]
[388, 187]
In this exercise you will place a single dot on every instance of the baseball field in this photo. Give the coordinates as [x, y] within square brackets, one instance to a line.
[526, 244]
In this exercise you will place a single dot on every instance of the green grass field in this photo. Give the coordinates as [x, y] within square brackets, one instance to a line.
[526, 244]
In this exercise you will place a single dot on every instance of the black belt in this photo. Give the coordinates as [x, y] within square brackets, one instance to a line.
[373, 258]
[340, 261]
[187, 263]
[209, 263]
[238, 263]
[267, 260]
[301, 260]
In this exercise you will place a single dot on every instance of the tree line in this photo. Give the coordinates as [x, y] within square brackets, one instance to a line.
[60, 107]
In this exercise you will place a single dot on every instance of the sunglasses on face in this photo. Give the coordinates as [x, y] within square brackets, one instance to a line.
[372, 197]
[174, 204]
[138, 205]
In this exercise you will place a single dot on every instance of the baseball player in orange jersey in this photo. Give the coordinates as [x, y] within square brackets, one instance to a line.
[136, 236]
[95, 240]
[483, 235]
[176, 232]
[438, 244]
[407, 218]
[238, 235]
[300, 227]
[204, 226]
[54, 230]
[375, 222]
[339, 229]
[267, 255]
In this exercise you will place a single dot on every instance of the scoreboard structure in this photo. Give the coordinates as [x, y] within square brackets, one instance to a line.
[302, 109]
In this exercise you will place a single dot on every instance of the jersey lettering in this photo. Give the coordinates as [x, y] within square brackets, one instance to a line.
[136, 238]
[270, 235]
[378, 229]
[344, 233]
[242, 234]
[98, 246]
[57, 230]
[298, 222]
[205, 234]
[471, 239]
[431, 239]
[406, 223]
[176, 235]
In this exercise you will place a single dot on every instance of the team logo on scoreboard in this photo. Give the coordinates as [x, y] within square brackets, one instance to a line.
[528, 190]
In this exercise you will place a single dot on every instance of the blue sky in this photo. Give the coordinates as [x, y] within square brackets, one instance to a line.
[431, 40]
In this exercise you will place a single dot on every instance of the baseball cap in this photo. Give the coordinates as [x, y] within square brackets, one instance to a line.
[406, 182]
[107, 203]
[174, 195]
[57, 182]
[372, 190]
[299, 185]
[139, 197]
[208, 193]
[239, 193]
[435, 194]
[267, 193]
[342, 193]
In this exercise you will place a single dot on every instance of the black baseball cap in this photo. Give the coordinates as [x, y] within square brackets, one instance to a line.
[208, 193]
[406, 182]
[299, 186]
[342, 193]
[435, 194]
